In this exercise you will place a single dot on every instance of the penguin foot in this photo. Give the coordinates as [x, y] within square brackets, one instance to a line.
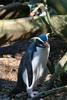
[41, 99]
[33, 94]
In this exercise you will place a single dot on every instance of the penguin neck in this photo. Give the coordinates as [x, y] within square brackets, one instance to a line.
[39, 49]
[44, 51]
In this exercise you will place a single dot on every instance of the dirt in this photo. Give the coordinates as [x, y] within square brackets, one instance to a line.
[10, 57]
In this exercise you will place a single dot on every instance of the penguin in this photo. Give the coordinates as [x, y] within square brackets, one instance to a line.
[33, 65]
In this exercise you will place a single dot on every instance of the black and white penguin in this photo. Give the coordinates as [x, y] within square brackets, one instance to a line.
[33, 65]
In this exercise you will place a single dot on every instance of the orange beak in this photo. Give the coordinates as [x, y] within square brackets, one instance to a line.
[46, 44]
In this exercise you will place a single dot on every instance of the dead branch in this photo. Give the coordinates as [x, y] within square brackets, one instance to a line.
[23, 27]
[12, 5]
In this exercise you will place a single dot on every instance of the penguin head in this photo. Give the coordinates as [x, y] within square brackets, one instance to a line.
[42, 40]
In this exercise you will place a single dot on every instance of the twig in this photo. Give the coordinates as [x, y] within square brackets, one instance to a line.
[49, 92]
[40, 6]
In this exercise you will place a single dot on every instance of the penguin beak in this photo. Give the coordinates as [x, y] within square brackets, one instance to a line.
[46, 44]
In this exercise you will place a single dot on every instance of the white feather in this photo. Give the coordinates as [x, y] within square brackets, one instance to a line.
[25, 77]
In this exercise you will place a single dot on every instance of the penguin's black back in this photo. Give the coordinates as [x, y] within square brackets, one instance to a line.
[26, 64]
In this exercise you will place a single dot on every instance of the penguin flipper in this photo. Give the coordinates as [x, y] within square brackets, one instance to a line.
[28, 66]
[24, 64]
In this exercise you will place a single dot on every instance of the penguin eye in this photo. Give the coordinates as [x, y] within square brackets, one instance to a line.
[39, 43]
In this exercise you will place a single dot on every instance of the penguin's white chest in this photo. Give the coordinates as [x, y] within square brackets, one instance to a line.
[39, 62]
